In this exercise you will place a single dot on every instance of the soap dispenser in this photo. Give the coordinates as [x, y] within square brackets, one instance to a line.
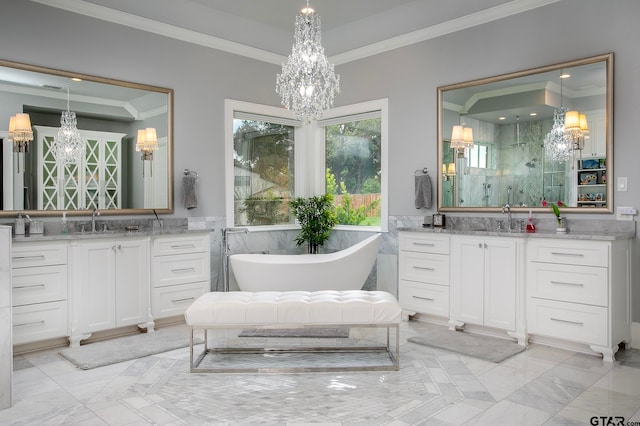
[64, 226]
[19, 228]
[531, 227]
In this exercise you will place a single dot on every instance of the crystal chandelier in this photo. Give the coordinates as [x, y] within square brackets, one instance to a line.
[308, 82]
[68, 146]
[556, 145]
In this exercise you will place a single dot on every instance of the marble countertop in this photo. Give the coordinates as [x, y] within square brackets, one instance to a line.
[116, 233]
[577, 235]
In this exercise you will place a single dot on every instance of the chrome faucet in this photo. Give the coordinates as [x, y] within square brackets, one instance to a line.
[507, 210]
[95, 213]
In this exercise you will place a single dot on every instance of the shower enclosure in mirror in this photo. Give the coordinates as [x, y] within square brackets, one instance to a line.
[524, 150]
[112, 173]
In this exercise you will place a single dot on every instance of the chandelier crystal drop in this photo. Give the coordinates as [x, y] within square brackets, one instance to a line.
[68, 146]
[308, 82]
[556, 145]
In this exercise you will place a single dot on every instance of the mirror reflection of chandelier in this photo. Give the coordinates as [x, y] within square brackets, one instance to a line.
[68, 146]
[568, 133]
[308, 82]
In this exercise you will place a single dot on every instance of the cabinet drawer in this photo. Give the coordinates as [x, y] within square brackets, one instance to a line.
[174, 300]
[180, 269]
[571, 321]
[39, 322]
[424, 243]
[183, 244]
[28, 255]
[38, 285]
[569, 283]
[424, 267]
[424, 298]
[588, 253]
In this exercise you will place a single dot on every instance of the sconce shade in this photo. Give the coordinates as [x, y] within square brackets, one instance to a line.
[451, 171]
[147, 142]
[571, 120]
[20, 132]
[457, 137]
[468, 136]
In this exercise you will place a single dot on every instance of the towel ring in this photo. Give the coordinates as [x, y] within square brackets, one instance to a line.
[422, 171]
[188, 172]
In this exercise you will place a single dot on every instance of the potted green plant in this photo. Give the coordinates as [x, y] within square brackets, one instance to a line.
[317, 217]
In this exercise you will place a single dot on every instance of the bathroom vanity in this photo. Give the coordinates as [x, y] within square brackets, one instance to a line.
[570, 290]
[75, 285]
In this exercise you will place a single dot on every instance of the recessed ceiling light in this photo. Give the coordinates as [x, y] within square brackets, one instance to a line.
[76, 79]
[565, 75]
[502, 118]
[533, 114]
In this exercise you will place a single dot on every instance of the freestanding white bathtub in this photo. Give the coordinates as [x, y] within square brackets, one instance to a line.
[346, 269]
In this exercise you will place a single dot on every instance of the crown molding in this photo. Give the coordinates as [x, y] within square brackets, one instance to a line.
[145, 24]
[150, 25]
[473, 19]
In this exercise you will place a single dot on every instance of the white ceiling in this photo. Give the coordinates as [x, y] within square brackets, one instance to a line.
[263, 29]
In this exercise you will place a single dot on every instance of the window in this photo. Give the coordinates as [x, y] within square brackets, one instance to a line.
[478, 156]
[272, 158]
[353, 151]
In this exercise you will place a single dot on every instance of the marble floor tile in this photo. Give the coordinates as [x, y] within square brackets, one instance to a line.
[601, 402]
[541, 385]
[509, 413]
[621, 379]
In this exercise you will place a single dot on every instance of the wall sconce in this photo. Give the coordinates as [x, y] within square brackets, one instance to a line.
[461, 138]
[449, 171]
[147, 143]
[20, 133]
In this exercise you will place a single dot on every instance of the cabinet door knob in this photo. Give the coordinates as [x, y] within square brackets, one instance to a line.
[119, 246]
[485, 245]
[113, 247]
[480, 245]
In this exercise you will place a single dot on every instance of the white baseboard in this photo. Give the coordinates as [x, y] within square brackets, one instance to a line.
[635, 335]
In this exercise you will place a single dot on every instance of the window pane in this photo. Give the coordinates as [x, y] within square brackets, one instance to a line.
[263, 172]
[353, 160]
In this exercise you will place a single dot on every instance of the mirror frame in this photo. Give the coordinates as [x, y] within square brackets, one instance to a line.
[104, 80]
[608, 59]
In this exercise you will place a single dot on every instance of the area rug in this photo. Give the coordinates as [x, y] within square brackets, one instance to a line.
[99, 354]
[296, 332]
[484, 347]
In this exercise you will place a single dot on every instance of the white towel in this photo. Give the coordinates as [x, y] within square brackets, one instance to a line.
[423, 191]
[189, 191]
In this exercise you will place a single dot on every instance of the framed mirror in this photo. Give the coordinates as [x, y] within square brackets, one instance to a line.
[509, 139]
[114, 171]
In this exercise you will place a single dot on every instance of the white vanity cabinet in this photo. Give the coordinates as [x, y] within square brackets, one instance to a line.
[180, 272]
[423, 267]
[113, 284]
[484, 281]
[39, 291]
[578, 291]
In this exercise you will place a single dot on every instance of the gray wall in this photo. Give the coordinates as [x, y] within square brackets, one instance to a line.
[202, 78]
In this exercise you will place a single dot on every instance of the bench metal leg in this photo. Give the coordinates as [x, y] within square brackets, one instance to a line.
[394, 355]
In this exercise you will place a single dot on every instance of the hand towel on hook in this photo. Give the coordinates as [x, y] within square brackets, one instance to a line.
[423, 191]
[189, 191]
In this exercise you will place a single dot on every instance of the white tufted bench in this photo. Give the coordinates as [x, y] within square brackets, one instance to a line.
[295, 309]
